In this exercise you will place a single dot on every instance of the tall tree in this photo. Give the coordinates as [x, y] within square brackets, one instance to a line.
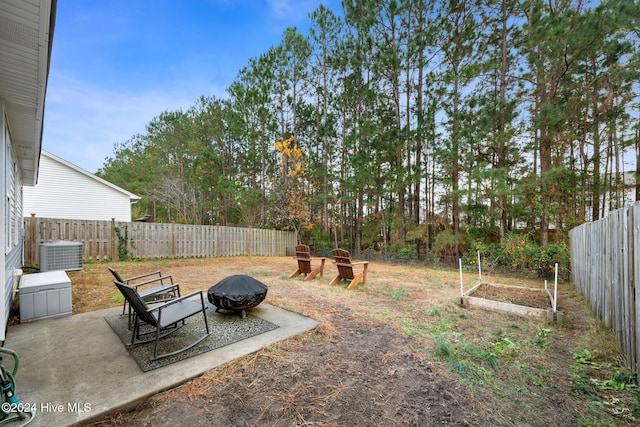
[324, 35]
[409, 110]
[560, 35]
[459, 45]
[497, 101]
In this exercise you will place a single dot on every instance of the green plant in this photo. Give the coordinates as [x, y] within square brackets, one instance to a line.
[504, 346]
[492, 254]
[448, 243]
[621, 381]
[544, 258]
[399, 294]
[583, 357]
[616, 395]
[541, 337]
[488, 357]
[444, 351]
[123, 252]
[408, 252]
[435, 311]
[517, 248]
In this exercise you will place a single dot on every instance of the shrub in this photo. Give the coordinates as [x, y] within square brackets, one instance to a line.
[449, 244]
[518, 249]
[544, 258]
[407, 252]
[493, 254]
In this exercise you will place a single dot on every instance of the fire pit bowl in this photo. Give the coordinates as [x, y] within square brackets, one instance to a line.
[237, 293]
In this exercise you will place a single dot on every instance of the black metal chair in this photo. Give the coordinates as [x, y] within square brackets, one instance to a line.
[162, 287]
[164, 317]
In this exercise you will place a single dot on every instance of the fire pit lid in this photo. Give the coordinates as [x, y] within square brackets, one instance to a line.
[237, 292]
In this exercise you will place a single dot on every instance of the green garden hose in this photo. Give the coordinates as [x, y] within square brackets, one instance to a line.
[11, 410]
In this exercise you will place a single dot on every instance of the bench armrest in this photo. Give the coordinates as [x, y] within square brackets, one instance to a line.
[160, 279]
[142, 276]
[177, 300]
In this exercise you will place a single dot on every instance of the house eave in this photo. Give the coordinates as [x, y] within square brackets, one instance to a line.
[26, 41]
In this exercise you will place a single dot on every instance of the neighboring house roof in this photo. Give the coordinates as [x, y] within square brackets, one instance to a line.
[26, 38]
[132, 197]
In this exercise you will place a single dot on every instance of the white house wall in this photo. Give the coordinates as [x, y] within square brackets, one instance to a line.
[26, 40]
[5, 267]
[11, 219]
[64, 192]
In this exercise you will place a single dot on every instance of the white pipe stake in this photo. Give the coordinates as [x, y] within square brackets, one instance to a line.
[555, 291]
[479, 267]
[461, 285]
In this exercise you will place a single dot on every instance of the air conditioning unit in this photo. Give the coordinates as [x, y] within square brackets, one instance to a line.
[60, 255]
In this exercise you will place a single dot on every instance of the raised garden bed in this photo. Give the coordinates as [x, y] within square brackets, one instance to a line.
[528, 302]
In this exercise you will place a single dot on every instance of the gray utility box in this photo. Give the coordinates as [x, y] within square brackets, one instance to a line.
[45, 295]
[60, 255]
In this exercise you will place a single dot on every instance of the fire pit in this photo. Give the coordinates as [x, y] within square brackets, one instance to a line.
[237, 293]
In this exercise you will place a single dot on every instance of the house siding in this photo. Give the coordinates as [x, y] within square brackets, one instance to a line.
[64, 192]
[12, 239]
[25, 53]
[13, 262]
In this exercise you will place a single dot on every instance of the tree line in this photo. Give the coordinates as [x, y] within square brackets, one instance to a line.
[410, 125]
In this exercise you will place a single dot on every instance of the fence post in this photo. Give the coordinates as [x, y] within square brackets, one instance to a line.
[32, 240]
[173, 240]
[114, 242]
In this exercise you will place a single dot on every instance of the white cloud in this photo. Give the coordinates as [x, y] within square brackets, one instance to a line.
[84, 120]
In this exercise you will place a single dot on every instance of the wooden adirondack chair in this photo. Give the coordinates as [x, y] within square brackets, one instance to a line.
[303, 256]
[346, 271]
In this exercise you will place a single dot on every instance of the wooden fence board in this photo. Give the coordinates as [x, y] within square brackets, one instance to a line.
[101, 240]
[605, 258]
[636, 284]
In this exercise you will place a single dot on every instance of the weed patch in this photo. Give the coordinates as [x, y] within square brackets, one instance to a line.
[610, 387]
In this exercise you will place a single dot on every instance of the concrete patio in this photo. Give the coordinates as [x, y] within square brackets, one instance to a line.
[75, 368]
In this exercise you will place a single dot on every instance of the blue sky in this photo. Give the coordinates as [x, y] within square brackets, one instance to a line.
[118, 64]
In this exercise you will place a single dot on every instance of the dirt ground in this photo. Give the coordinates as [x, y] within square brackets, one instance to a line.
[394, 351]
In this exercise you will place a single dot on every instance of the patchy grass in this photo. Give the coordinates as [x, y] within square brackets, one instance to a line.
[485, 367]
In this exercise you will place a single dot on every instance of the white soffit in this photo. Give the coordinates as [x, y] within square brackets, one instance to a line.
[26, 32]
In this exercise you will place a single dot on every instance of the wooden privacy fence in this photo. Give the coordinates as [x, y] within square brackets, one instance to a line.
[110, 240]
[605, 258]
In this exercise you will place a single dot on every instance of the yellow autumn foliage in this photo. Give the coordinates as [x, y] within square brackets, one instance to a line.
[291, 156]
